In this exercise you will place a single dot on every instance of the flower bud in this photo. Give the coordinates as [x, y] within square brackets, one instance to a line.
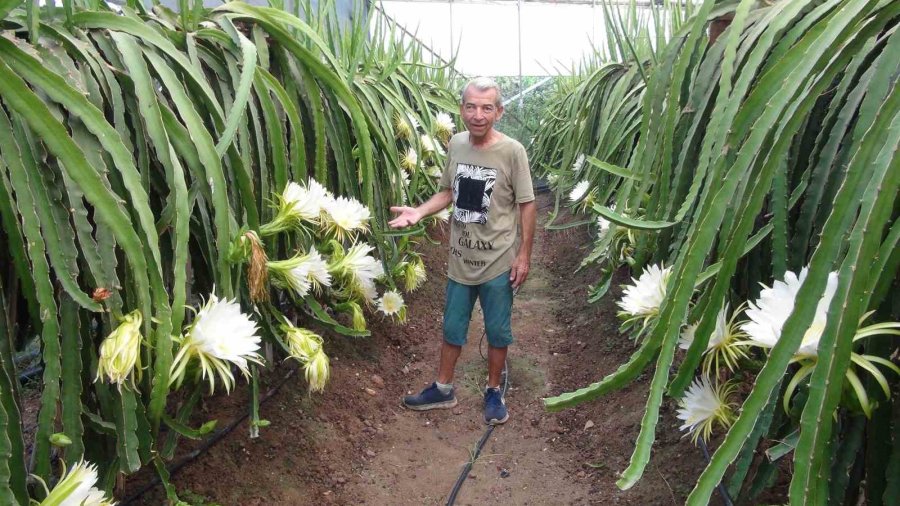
[120, 352]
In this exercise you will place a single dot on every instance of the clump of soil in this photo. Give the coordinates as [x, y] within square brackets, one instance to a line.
[354, 444]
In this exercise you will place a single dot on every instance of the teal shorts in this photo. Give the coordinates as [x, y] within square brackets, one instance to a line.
[496, 298]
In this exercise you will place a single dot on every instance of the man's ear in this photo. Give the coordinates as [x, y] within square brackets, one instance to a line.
[500, 110]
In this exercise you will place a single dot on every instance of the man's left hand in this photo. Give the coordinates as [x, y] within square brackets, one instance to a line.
[519, 272]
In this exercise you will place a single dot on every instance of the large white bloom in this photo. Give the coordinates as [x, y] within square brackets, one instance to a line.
[307, 202]
[717, 337]
[221, 335]
[435, 171]
[302, 272]
[603, 227]
[431, 145]
[579, 163]
[345, 216]
[443, 214]
[368, 290]
[645, 296]
[726, 345]
[405, 125]
[703, 405]
[579, 191]
[392, 304]
[769, 312]
[77, 488]
[360, 270]
[410, 159]
[444, 125]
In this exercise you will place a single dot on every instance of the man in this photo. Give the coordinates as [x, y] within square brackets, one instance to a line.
[488, 181]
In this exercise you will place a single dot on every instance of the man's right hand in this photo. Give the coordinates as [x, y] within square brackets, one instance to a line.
[406, 217]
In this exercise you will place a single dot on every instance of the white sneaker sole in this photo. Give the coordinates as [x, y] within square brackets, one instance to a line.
[437, 405]
[494, 421]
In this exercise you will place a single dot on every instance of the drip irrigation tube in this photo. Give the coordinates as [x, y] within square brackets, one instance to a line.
[487, 433]
[175, 466]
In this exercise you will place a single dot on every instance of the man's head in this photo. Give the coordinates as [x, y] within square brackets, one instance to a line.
[481, 106]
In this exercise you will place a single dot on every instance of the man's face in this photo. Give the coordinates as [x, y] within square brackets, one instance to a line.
[479, 111]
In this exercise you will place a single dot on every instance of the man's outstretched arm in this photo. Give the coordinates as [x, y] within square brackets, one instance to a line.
[522, 263]
[409, 216]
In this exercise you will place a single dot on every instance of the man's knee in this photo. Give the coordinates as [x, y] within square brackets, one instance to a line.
[499, 334]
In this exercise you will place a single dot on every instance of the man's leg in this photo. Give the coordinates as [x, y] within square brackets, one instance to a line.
[457, 313]
[496, 360]
[496, 302]
[449, 356]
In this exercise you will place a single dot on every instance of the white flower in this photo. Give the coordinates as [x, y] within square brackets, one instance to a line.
[579, 163]
[579, 191]
[435, 171]
[717, 337]
[405, 125]
[77, 488]
[305, 203]
[302, 272]
[368, 290]
[360, 270]
[296, 205]
[345, 216]
[391, 303]
[221, 335]
[603, 227]
[703, 405]
[120, 352]
[412, 121]
[769, 312]
[444, 125]
[552, 179]
[442, 215]
[687, 336]
[645, 296]
[726, 343]
[431, 145]
[410, 159]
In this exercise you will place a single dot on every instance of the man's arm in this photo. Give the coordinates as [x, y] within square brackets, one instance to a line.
[409, 216]
[522, 263]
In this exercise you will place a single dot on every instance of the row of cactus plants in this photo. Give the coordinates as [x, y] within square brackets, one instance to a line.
[187, 195]
[752, 179]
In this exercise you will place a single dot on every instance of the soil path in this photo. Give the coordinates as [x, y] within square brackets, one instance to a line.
[354, 444]
[421, 454]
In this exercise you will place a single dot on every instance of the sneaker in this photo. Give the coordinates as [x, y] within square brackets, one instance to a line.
[495, 411]
[430, 398]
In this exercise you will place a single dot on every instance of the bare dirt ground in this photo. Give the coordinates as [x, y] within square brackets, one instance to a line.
[354, 444]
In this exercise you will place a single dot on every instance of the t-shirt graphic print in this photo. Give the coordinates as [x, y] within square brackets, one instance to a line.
[472, 189]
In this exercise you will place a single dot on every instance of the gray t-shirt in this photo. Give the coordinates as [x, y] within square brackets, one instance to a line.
[488, 184]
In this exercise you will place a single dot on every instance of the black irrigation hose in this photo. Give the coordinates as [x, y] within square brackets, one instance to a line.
[487, 433]
[721, 488]
[218, 435]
